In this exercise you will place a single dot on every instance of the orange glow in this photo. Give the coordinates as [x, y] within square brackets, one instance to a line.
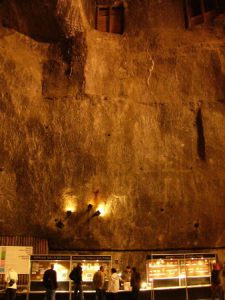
[70, 200]
[104, 210]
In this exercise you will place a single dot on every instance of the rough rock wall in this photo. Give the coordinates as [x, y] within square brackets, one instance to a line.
[134, 122]
[46, 20]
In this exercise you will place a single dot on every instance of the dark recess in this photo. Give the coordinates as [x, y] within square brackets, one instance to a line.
[200, 136]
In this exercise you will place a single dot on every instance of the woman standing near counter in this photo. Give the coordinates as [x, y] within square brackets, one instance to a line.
[11, 278]
[114, 284]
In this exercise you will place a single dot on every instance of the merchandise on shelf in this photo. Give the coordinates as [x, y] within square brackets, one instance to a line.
[179, 270]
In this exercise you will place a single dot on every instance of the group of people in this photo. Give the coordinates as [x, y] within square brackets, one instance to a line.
[218, 282]
[130, 278]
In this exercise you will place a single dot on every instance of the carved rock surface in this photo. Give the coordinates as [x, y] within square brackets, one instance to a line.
[133, 122]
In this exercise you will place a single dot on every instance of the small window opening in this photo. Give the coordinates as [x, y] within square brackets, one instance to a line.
[116, 19]
[110, 18]
[103, 19]
[200, 11]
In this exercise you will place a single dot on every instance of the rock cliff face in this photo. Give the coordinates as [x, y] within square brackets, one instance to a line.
[132, 122]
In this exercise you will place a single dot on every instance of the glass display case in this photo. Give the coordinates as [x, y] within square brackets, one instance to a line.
[39, 264]
[198, 269]
[179, 270]
[91, 264]
[63, 266]
[162, 272]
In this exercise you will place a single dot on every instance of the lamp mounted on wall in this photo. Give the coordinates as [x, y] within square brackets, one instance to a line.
[89, 207]
[68, 213]
[96, 214]
[59, 224]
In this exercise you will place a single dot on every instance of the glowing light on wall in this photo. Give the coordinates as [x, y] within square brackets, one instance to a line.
[70, 207]
[70, 201]
[104, 210]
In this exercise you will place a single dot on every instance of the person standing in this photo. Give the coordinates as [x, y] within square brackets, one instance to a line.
[135, 283]
[50, 283]
[99, 283]
[222, 282]
[114, 284]
[76, 276]
[126, 277]
[11, 278]
[215, 282]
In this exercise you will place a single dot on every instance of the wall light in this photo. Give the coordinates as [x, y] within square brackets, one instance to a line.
[102, 208]
[97, 213]
[89, 207]
[59, 224]
[68, 213]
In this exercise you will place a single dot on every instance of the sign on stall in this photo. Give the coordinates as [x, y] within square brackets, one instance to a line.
[16, 257]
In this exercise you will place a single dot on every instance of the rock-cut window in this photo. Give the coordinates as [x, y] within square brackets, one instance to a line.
[200, 11]
[110, 18]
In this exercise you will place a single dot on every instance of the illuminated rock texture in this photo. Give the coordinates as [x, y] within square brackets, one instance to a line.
[133, 122]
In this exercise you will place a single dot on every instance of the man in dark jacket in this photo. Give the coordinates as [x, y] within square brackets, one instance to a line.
[215, 282]
[50, 283]
[135, 283]
[76, 276]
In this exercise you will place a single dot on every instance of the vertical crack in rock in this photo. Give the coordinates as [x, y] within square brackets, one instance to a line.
[66, 47]
[200, 136]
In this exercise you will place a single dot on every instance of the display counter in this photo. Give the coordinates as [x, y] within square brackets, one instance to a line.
[179, 270]
[40, 263]
[90, 265]
[191, 293]
[88, 295]
[169, 276]
[63, 266]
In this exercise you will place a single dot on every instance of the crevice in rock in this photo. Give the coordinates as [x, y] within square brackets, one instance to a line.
[200, 136]
[196, 225]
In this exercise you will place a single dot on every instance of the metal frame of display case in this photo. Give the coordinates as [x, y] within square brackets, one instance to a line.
[173, 269]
